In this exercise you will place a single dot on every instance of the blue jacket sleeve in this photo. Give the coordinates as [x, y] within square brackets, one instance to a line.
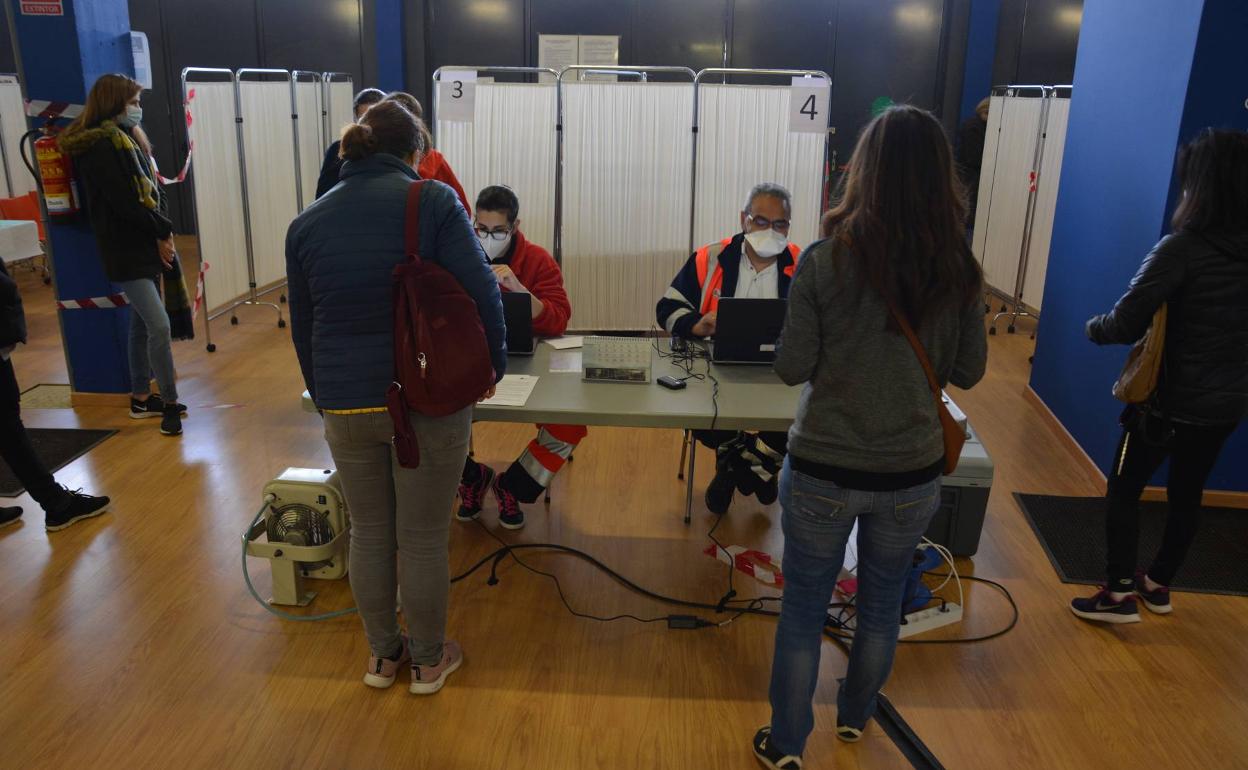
[299, 300]
[457, 249]
[677, 311]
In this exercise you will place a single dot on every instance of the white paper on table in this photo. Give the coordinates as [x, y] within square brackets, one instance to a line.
[566, 343]
[566, 362]
[512, 390]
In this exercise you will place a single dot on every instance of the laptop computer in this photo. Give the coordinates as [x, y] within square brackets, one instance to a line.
[746, 330]
[518, 314]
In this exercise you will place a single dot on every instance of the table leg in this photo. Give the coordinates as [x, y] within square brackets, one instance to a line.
[693, 453]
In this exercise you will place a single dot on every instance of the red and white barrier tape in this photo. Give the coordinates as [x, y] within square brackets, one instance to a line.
[93, 303]
[199, 287]
[181, 177]
[39, 108]
[757, 564]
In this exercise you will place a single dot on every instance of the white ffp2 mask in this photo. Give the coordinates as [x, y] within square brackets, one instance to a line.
[767, 243]
[495, 249]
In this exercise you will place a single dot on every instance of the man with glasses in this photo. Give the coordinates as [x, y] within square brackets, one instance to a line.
[757, 262]
[520, 266]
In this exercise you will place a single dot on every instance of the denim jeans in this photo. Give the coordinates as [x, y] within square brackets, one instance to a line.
[817, 517]
[400, 523]
[151, 346]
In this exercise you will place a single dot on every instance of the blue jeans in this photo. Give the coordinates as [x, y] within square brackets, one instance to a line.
[151, 346]
[817, 519]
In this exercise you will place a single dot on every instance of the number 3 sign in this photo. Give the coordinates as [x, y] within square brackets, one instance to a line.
[808, 105]
[457, 95]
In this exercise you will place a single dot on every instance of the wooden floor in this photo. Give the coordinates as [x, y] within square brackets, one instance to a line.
[130, 640]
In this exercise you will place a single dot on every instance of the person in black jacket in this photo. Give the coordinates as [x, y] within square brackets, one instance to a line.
[970, 155]
[61, 507]
[332, 165]
[1201, 273]
[127, 211]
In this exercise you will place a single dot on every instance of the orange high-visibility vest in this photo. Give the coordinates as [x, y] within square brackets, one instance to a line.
[712, 281]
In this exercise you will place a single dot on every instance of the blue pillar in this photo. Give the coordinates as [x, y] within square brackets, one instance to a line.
[390, 54]
[61, 57]
[1145, 83]
[981, 51]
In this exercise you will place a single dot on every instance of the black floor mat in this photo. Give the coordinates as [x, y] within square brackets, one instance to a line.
[57, 448]
[1072, 531]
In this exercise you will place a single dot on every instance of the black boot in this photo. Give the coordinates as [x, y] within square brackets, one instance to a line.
[10, 515]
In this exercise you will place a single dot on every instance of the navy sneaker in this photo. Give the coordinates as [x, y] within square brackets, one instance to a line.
[847, 733]
[1155, 601]
[510, 514]
[472, 496]
[10, 516]
[1101, 608]
[770, 756]
[154, 406]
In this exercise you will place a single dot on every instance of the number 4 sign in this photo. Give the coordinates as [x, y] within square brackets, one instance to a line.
[808, 105]
[457, 95]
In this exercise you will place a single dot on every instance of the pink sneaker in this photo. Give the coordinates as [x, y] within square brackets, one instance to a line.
[382, 671]
[426, 680]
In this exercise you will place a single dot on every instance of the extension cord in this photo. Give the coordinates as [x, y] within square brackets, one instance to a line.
[930, 619]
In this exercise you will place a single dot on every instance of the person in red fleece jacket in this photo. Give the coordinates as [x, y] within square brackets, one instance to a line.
[433, 164]
[520, 266]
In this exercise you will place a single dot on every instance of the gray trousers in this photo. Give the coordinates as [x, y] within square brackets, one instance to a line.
[400, 524]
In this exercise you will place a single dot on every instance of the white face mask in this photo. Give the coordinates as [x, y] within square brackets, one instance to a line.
[495, 249]
[132, 118]
[767, 243]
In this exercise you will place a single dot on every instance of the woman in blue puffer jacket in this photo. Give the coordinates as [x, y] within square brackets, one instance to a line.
[340, 255]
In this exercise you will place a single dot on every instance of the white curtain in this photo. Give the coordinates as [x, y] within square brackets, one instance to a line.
[12, 126]
[218, 192]
[626, 198]
[1046, 201]
[1009, 152]
[269, 147]
[312, 142]
[340, 107]
[512, 141]
[744, 139]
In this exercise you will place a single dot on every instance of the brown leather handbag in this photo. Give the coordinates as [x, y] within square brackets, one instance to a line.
[1138, 381]
[954, 435]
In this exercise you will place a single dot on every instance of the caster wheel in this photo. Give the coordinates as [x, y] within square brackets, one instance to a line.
[1010, 329]
[993, 331]
[212, 348]
[1004, 308]
[1031, 359]
[281, 323]
[987, 308]
[47, 281]
[234, 320]
[1033, 336]
[282, 299]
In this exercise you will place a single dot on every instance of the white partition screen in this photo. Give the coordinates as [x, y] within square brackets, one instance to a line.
[512, 141]
[312, 142]
[269, 148]
[741, 143]
[339, 107]
[1001, 215]
[218, 192]
[1046, 201]
[12, 126]
[626, 198]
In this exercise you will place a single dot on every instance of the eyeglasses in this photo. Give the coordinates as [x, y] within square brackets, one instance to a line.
[763, 223]
[498, 235]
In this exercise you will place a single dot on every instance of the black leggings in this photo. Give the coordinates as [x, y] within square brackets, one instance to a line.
[1193, 451]
[15, 446]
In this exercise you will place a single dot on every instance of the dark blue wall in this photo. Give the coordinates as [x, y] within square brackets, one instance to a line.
[1136, 96]
[981, 51]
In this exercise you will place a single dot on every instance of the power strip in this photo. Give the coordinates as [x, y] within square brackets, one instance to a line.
[930, 619]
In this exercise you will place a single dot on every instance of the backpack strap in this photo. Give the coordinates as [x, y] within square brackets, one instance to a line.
[411, 221]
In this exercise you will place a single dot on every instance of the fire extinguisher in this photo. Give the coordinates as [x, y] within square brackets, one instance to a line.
[56, 174]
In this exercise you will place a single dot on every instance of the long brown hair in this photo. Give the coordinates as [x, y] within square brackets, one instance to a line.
[106, 101]
[901, 211]
[412, 104]
[1213, 176]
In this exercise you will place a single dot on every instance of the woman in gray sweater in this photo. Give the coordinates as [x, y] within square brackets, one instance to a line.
[866, 445]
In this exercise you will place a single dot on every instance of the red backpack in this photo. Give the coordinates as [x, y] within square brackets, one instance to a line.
[441, 357]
